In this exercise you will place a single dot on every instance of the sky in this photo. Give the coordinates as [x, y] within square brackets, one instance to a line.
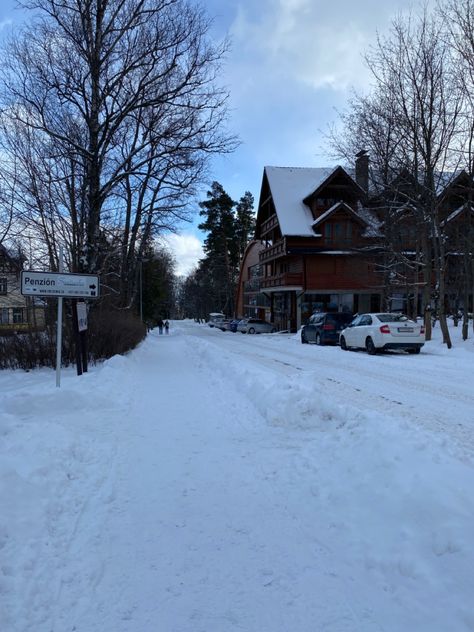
[324, 493]
[291, 66]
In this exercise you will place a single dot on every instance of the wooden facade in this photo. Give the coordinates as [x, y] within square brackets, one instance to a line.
[324, 244]
[316, 245]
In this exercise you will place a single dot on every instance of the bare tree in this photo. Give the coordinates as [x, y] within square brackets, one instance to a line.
[417, 137]
[459, 17]
[112, 108]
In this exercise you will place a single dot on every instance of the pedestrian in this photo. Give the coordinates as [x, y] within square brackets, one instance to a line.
[167, 327]
[160, 325]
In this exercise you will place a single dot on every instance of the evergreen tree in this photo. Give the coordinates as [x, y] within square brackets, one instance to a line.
[157, 287]
[245, 222]
[229, 225]
[220, 246]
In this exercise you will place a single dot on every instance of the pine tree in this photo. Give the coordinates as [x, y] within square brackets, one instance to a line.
[245, 222]
[220, 246]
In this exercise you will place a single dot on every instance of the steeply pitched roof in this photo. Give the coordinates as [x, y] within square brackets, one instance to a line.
[289, 187]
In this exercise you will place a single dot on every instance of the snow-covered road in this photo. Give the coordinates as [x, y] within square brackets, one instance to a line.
[211, 481]
[424, 389]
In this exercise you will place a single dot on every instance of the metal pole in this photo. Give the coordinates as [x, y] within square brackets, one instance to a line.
[59, 331]
[141, 291]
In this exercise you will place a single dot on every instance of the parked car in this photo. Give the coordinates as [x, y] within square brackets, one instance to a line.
[383, 331]
[233, 324]
[255, 326]
[215, 317]
[223, 325]
[324, 327]
[242, 324]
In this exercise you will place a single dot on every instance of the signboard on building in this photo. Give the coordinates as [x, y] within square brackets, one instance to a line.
[59, 284]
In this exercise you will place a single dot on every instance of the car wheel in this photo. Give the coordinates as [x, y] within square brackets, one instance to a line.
[318, 339]
[251, 330]
[343, 344]
[273, 331]
[370, 347]
[303, 339]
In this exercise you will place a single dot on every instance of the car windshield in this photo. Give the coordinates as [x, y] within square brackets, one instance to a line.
[392, 318]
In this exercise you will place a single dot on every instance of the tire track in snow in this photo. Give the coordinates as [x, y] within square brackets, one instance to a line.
[440, 403]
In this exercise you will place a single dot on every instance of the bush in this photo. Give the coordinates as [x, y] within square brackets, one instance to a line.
[27, 350]
[113, 332]
[110, 332]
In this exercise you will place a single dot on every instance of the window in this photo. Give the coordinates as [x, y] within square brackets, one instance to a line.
[3, 285]
[18, 315]
[4, 316]
[338, 231]
[349, 231]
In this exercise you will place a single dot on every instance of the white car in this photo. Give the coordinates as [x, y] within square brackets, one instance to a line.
[383, 331]
[255, 326]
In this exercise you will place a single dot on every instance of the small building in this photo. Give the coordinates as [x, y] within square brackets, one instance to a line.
[250, 300]
[17, 312]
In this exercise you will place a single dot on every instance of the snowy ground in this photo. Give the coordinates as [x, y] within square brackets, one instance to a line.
[211, 481]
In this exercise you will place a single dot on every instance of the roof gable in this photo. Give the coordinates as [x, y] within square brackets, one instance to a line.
[339, 206]
[291, 187]
[457, 213]
[337, 171]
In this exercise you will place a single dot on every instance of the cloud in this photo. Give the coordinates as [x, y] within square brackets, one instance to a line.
[312, 42]
[186, 249]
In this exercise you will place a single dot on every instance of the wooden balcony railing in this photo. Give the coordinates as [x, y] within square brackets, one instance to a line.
[268, 224]
[282, 280]
[273, 252]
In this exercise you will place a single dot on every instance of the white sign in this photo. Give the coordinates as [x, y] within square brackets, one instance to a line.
[59, 284]
[81, 316]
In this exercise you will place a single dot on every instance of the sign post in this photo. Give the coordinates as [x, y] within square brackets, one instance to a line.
[59, 330]
[62, 285]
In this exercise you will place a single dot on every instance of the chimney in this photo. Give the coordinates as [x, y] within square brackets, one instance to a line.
[362, 170]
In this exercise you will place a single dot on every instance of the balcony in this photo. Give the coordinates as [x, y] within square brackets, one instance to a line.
[253, 285]
[287, 279]
[273, 252]
[268, 225]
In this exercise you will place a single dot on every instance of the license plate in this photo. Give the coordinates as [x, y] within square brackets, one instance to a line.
[405, 330]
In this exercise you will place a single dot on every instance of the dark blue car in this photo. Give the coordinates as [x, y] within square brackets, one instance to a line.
[324, 327]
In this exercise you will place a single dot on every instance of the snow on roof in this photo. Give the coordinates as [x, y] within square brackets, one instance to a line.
[334, 208]
[374, 225]
[289, 186]
[456, 213]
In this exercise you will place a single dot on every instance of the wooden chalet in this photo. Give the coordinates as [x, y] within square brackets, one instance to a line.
[318, 246]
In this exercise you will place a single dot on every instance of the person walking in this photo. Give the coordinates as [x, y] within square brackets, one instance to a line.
[160, 325]
[167, 327]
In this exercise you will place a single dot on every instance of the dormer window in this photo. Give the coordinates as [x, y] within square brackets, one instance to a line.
[337, 232]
